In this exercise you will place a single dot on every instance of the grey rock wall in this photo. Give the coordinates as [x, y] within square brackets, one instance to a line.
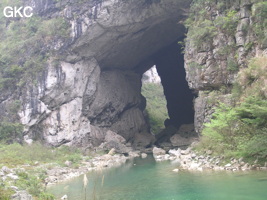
[95, 87]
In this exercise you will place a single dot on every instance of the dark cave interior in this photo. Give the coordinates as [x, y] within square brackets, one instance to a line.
[169, 62]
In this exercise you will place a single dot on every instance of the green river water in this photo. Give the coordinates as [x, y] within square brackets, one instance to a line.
[144, 179]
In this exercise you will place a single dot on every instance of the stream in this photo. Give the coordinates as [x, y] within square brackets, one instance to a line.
[144, 179]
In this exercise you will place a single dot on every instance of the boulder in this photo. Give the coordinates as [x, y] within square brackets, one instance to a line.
[177, 140]
[143, 140]
[112, 136]
[112, 151]
[119, 148]
[21, 195]
[158, 151]
[143, 155]
[133, 154]
[187, 151]
[13, 176]
[68, 163]
[174, 152]
[6, 170]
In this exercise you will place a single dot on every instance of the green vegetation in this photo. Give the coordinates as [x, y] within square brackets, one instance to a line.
[238, 129]
[16, 154]
[25, 46]
[5, 193]
[228, 23]
[259, 27]
[34, 184]
[156, 106]
[10, 131]
[35, 158]
[203, 33]
[241, 130]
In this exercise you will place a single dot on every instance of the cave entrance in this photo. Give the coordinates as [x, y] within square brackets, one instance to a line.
[169, 63]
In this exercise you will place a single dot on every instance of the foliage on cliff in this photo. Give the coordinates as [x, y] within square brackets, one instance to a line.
[25, 46]
[241, 130]
[210, 19]
[233, 32]
[26, 43]
[156, 106]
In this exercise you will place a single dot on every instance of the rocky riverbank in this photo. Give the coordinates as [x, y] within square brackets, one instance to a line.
[55, 173]
[182, 159]
[59, 174]
[189, 159]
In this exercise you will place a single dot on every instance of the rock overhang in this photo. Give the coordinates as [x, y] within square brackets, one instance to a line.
[125, 33]
[97, 86]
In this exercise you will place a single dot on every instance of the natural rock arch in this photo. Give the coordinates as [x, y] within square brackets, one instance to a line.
[97, 85]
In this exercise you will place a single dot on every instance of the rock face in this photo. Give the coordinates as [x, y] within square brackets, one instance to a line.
[95, 87]
[151, 76]
[212, 66]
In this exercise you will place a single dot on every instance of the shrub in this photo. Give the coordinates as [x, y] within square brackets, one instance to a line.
[228, 23]
[232, 65]
[259, 12]
[201, 33]
[239, 128]
[10, 130]
[33, 185]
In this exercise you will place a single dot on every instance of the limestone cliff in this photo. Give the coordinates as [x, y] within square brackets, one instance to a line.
[90, 81]
[151, 76]
[94, 83]
[221, 39]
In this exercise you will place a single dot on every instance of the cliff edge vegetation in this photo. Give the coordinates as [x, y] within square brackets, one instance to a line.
[226, 63]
